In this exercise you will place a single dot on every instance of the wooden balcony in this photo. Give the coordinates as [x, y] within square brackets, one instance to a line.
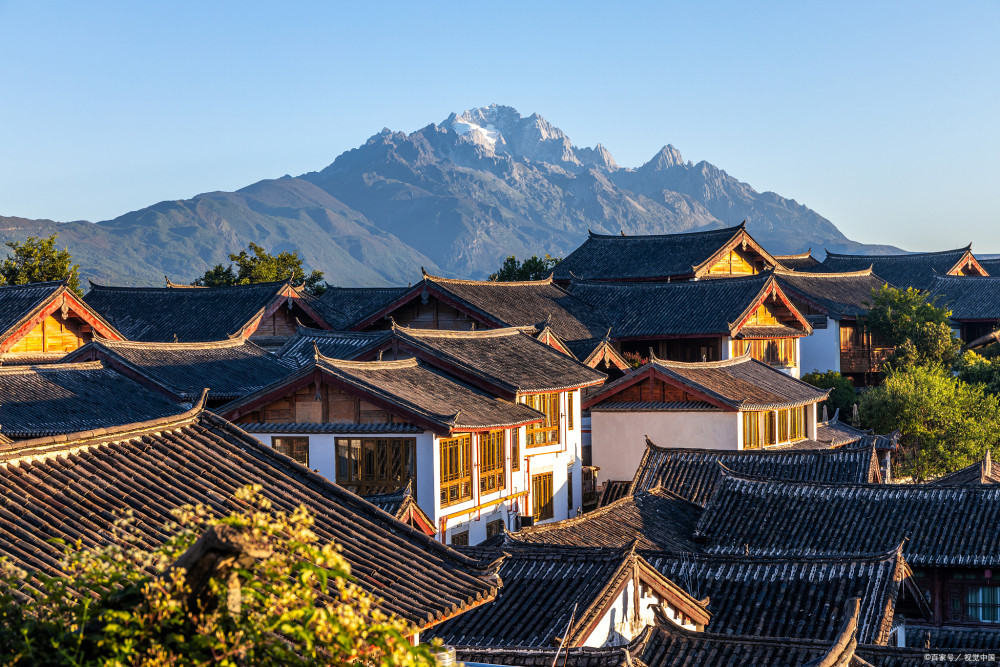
[863, 360]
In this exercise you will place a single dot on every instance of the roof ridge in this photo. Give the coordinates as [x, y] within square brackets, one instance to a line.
[870, 271]
[905, 254]
[859, 486]
[417, 332]
[49, 445]
[156, 345]
[722, 363]
[73, 365]
[700, 232]
[752, 452]
[763, 275]
[41, 283]
[757, 560]
[173, 290]
[368, 365]
[801, 255]
[469, 281]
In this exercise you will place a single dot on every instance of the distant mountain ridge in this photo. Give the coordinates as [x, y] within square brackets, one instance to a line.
[455, 198]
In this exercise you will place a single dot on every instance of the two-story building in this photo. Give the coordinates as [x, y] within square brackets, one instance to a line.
[835, 305]
[974, 305]
[704, 320]
[735, 404]
[485, 425]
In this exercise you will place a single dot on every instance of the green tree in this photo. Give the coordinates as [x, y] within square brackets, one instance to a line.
[842, 394]
[983, 371]
[944, 423]
[532, 268]
[263, 267]
[285, 600]
[37, 260]
[909, 322]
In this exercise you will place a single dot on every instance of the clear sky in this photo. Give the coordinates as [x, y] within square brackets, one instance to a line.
[883, 117]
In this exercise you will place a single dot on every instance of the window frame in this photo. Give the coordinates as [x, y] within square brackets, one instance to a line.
[542, 488]
[459, 479]
[302, 440]
[366, 482]
[492, 462]
[546, 432]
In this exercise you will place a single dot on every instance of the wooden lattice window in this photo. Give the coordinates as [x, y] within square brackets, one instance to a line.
[547, 431]
[773, 351]
[569, 410]
[375, 465]
[569, 487]
[515, 449]
[295, 448]
[460, 539]
[541, 493]
[494, 528]
[492, 471]
[456, 469]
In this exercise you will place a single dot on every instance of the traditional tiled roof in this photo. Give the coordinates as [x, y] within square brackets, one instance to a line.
[537, 656]
[703, 307]
[651, 257]
[355, 303]
[21, 305]
[541, 588]
[836, 433]
[913, 270]
[401, 505]
[655, 519]
[970, 639]
[654, 406]
[275, 427]
[741, 383]
[943, 525]
[968, 299]
[614, 489]
[671, 646]
[525, 303]
[595, 350]
[798, 262]
[695, 474]
[54, 399]
[229, 369]
[991, 265]
[978, 473]
[409, 388]
[334, 344]
[507, 359]
[188, 315]
[790, 597]
[75, 487]
[838, 295]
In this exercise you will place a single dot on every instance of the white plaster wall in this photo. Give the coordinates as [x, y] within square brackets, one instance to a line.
[821, 351]
[623, 622]
[619, 437]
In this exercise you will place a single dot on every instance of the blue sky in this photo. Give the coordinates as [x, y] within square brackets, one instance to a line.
[883, 117]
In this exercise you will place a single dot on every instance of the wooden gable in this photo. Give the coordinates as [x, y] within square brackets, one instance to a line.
[739, 262]
[968, 266]
[652, 388]
[426, 312]
[62, 324]
[322, 404]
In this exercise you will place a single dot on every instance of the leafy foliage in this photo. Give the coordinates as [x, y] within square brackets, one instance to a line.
[263, 267]
[120, 604]
[842, 394]
[919, 330]
[981, 370]
[532, 268]
[945, 423]
[38, 260]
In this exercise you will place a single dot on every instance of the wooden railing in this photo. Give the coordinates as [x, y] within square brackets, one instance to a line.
[863, 360]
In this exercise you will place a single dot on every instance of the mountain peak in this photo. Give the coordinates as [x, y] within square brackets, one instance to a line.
[665, 159]
[502, 129]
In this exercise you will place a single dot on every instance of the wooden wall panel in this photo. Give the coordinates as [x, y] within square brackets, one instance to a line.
[53, 334]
